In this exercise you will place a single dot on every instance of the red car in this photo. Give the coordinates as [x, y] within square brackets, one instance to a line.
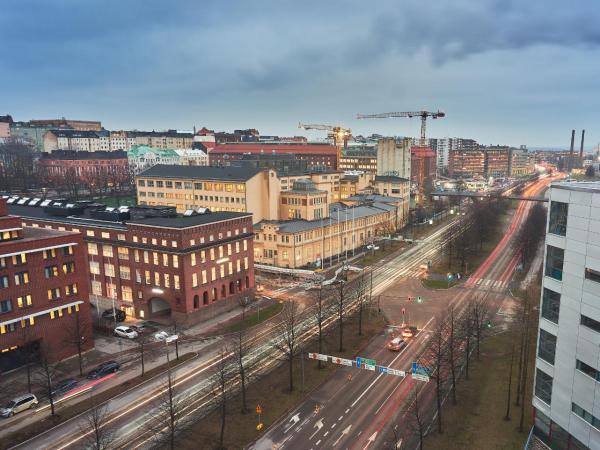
[396, 344]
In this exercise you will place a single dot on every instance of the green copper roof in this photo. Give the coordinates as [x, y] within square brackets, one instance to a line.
[141, 150]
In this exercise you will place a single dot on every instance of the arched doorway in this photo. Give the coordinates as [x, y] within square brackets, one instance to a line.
[196, 301]
[231, 288]
[214, 296]
[223, 291]
[205, 298]
[239, 285]
[159, 307]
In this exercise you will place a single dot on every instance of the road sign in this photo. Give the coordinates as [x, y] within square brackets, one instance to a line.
[362, 362]
[258, 409]
[420, 377]
[370, 366]
[318, 356]
[383, 369]
[342, 361]
[398, 373]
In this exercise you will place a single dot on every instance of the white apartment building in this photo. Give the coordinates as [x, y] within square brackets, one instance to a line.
[566, 396]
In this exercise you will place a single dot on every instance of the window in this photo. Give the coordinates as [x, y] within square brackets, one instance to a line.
[585, 415]
[194, 280]
[95, 267]
[169, 184]
[588, 370]
[123, 253]
[147, 276]
[156, 279]
[68, 267]
[550, 305]
[592, 275]
[245, 262]
[5, 306]
[109, 270]
[71, 289]
[111, 290]
[4, 281]
[23, 278]
[175, 261]
[124, 273]
[204, 281]
[96, 287]
[50, 253]
[53, 293]
[141, 183]
[213, 273]
[547, 346]
[557, 223]
[126, 294]
[193, 259]
[155, 258]
[107, 251]
[167, 280]
[590, 323]
[24, 301]
[105, 235]
[176, 282]
[543, 386]
[68, 250]
[245, 245]
[554, 262]
[19, 260]
[89, 233]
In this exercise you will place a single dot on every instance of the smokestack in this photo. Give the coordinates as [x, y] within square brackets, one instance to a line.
[570, 165]
[581, 148]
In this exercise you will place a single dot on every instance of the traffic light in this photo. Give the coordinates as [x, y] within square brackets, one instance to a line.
[419, 299]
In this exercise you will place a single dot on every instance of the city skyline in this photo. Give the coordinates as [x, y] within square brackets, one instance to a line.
[502, 72]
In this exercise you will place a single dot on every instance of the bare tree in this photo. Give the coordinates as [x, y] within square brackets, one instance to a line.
[360, 294]
[77, 329]
[479, 311]
[289, 332]
[96, 430]
[437, 350]
[30, 352]
[452, 350]
[528, 330]
[46, 372]
[243, 344]
[341, 303]
[510, 372]
[142, 347]
[177, 329]
[466, 325]
[16, 165]
[319, 311]
[416, 421]
[221, 392]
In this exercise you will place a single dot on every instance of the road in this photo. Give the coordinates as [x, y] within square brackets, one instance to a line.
[130, 409]
[360, 413]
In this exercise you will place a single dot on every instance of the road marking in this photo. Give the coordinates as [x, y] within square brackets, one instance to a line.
[318, 426]
[340, 418]
[295, 419]
[325, 434]
[347, 411]
[333, 426]
[388, 397]
[346, 430]
[371, 439]
[318, 442]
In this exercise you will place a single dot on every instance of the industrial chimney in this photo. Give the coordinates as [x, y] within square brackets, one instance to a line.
[570, 165]
[581, 148]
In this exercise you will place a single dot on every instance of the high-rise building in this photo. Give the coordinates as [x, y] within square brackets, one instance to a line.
[394, 157]
[566, 398]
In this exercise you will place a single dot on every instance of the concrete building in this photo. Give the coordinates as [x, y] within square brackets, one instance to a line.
[394, 158]
[317, 156]
[466, 163]
[162, 139]
[43, 292]
[286, 163]
[151, 262]
[360, 159]
[497, 161]
[73, 140]
[566, 398]
[521, 162]
[443, 148]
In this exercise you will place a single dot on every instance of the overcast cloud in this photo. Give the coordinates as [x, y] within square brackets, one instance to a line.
[504, 71]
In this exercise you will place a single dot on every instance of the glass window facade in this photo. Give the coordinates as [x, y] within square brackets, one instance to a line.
[543, 386]
[550, 305]
[547, 346]
[554, 262]
[557, 224]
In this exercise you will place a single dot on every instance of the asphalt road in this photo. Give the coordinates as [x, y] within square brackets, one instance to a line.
[360, 412]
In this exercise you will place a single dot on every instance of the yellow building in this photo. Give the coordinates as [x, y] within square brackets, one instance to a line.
[350, 226]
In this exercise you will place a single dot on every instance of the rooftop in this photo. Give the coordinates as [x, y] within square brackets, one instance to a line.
[274, 147]
[201, 172]
[581, 186]
[189, 221]
[390, 179]
[72, 155]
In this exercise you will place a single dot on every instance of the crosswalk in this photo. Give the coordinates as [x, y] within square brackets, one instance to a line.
[492, 285]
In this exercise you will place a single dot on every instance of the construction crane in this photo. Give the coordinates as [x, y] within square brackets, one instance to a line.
[339, 134]
[422, 114]
[422, 142]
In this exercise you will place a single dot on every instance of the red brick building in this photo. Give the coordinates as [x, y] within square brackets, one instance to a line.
[43, 291]
[150, 261]
[89, 168]
[317, 156]
[466, 163]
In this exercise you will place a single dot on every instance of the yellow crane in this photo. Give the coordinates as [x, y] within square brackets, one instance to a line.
[422, 114]
[340, 136]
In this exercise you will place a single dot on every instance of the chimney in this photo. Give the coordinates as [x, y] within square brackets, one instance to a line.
[581, 148]
[570, 165]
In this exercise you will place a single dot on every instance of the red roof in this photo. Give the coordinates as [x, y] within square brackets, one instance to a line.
[267, 147]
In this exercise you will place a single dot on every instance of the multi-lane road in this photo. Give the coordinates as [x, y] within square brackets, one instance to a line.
[360, 412]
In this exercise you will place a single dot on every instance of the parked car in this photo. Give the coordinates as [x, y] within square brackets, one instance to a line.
[260, 288]
[18, 404]
[141, 327]
[126, 332]
[408, 332]
[161, 335]
[396, 344]
[63, 387]
[114, 314]
[103, 370]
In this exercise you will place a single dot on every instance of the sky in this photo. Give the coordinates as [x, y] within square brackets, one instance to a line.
[504, 72]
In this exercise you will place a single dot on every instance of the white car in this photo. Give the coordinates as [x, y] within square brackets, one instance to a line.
[126, 332]
[161, 335]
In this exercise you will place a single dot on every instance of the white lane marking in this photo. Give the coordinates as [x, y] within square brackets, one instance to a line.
[325, 434]
[340, 418]
[371, 439]
[347, 411]
[318, 442]
[388, 397]
[333, 426]
[318, 426]
[346, 430]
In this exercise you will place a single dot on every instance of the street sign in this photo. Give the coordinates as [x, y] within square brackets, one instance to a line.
[414, 367]
[342, 361]
[370, 366]
[318, 356]
[420, 377]
[258, 409]
[383, 369]
[398, 373]
[361, 363]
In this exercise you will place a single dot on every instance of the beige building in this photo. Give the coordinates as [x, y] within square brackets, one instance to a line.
[162, 139]
[353, 184]
[312, 243]
[393, 157]
[392, 186]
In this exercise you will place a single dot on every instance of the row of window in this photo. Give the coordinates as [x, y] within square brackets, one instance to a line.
[207, 198]
[53, 271]
[21, 258]
[30, 321]
[206, 186]
[25, 300]
[8, 235]
[20, 278]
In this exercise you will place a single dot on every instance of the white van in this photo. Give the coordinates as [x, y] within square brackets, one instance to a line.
[18, 404]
